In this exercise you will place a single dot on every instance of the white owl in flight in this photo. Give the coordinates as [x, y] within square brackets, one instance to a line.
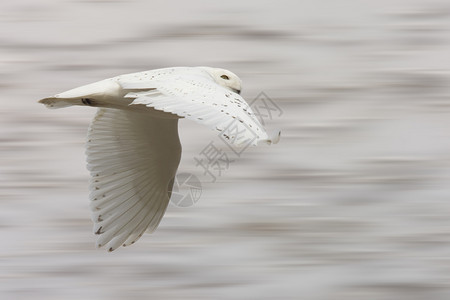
[133, 149]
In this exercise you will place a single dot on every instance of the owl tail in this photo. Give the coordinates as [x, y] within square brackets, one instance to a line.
[94, 94]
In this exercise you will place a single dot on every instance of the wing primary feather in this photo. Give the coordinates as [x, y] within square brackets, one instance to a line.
[104, 196]
[131, 156]
[119, 227]
[144, 225]
[118, 208]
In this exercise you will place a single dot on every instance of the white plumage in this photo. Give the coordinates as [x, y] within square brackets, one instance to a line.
[133, 149]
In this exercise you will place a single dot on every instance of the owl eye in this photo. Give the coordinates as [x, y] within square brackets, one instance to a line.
[225, 77]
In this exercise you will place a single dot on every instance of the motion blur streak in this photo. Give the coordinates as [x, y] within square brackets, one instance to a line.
[353, 203]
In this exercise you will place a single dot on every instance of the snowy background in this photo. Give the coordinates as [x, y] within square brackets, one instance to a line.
[353, 203]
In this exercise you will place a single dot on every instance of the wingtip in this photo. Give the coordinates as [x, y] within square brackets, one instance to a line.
[274, 137]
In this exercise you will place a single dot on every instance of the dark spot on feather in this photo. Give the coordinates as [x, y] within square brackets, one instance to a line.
[99, 231]
[87, 101]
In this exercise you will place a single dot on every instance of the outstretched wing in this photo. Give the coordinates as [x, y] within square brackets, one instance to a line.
[132, 159]
[202, 100]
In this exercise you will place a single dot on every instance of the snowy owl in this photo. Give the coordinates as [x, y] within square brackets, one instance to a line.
[133, 149]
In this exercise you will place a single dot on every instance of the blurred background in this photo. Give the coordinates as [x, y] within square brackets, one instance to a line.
[353, 203]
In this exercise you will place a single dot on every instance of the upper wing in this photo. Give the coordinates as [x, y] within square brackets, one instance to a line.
[132, 159]
[203, 101]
